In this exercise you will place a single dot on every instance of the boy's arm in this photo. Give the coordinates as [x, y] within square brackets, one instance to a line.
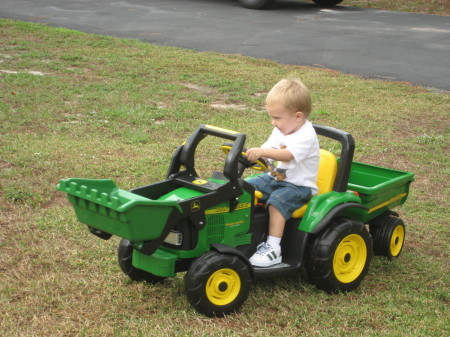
[255, 153]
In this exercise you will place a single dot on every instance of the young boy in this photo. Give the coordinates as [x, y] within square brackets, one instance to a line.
[294, 144]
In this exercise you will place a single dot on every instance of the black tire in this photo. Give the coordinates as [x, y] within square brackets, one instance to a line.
[327, 3]
[125, 256]
[217, 284]
[339, 258]
[388, 237]
[257, 4]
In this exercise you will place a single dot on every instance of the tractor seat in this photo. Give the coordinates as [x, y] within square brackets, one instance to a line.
[325, 179]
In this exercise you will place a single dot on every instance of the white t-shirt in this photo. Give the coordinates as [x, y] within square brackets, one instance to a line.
[304, 146]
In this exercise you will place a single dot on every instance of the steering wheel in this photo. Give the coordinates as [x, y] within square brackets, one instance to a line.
[259, 165]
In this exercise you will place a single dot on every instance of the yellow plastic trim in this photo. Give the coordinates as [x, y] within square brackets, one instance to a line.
[299, 212]
[223, 287]
[258, 195]
[390, 201]
[212, 127]
[350, 258]
[200, 182]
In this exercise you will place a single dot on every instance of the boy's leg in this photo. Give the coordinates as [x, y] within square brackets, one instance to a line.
[269, 252]
[263, 184]
[281, 204]
[276, 222]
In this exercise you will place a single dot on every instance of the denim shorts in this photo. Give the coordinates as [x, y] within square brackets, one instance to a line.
[285, 197]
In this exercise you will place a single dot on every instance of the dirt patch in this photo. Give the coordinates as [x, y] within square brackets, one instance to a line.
[159, 105]
[228, 106]
[410, 126]
[5, 165]
[200, 88]
[220, 102]
[58, 199]
[31, 72]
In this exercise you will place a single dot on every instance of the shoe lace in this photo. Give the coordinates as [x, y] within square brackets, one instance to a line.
[264, 248]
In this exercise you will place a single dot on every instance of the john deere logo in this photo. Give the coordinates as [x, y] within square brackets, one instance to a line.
[195, 206]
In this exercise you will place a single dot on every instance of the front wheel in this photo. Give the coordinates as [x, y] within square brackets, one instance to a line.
[327, 3]
[339, 257]
[217, 284]
[125, 257]
[257, 4]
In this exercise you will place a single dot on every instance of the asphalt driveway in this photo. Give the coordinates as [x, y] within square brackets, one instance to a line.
[368, 43]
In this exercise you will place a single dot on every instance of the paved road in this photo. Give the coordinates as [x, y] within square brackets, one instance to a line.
[368, 43]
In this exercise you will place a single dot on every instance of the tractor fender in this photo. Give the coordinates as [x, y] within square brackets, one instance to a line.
[334, 213]
[226, 249]
[325, 207]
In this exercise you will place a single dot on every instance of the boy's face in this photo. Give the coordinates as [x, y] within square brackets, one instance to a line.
[285, 120]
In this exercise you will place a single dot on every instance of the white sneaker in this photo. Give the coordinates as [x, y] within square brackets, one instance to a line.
[265, 256]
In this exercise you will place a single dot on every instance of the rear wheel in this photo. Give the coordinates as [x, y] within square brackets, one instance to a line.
[388, 237]
[217, 284]
[327, 3]
[257, 4]
[339, 257]
[125, 256]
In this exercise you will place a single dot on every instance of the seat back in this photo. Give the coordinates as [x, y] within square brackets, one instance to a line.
[327, 171]
[325, 177]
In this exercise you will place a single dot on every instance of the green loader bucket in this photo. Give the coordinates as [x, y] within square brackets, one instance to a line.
[100, 204]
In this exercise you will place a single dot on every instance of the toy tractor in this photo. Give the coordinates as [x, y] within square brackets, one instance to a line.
[210, 227]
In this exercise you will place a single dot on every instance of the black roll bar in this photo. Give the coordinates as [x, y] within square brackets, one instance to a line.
[230, 170]
[346, 157]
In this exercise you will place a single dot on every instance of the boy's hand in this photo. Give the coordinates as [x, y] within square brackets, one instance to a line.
[282, 154]
[254, 153]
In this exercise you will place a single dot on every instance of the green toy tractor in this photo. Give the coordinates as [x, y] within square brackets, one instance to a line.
[209, 227]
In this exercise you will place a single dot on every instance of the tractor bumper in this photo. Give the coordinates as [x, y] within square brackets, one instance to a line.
[160, 263]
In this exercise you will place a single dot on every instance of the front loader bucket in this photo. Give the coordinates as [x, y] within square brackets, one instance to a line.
[101, 205]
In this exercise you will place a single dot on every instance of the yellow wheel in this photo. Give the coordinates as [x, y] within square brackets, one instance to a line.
[217, 284]
[350, 258]
[339, 257]
[223, 287]
[397, 239]
[388, 236]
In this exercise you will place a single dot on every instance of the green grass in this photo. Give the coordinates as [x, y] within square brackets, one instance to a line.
[116, 108]
[436, 7]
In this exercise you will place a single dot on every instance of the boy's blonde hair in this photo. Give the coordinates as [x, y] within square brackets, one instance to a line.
[293, 94]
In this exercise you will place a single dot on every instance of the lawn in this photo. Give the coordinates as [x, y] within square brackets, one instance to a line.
[436, 7]
[80, 105]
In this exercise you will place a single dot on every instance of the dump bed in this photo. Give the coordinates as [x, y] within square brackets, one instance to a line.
[100, 204]
[379, 188]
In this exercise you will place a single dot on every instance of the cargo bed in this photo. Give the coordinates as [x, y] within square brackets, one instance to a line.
[379, 188]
